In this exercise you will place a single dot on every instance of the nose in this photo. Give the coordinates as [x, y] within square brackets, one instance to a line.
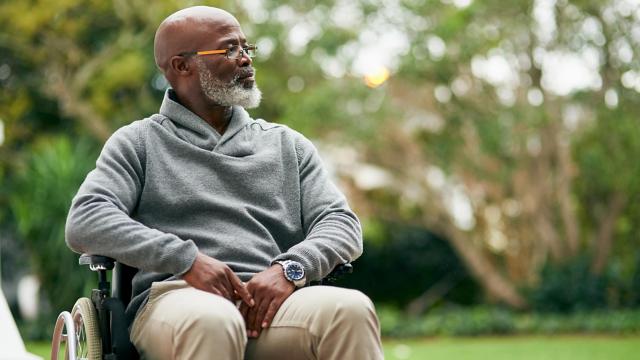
[245, 60]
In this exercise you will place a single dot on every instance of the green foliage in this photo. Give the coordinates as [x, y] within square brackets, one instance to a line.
[601, 158]
[635, 284]
[486, 320]
[39, 200]
[572, 286]
[606, 154]
[447, 322]
[569, 286]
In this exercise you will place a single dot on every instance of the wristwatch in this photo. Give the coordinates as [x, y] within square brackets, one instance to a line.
[294, 272]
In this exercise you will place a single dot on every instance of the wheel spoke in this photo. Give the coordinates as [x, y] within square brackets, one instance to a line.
[82, 349]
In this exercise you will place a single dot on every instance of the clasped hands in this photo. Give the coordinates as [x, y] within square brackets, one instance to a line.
[261, 297]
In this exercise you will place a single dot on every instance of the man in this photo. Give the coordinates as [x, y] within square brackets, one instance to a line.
[226, 217]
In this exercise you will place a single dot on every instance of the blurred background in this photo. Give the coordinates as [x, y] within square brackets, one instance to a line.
[491, 149]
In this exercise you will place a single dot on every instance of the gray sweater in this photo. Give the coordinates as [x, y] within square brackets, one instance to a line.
[169, 185]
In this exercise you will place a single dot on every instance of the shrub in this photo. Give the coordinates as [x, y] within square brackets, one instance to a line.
[39, 200]
[486, 320]
[571, 286]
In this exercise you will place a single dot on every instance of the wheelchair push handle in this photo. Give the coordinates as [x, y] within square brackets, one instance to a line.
[97, 262]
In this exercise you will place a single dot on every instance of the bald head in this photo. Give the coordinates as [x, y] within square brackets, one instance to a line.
[189, 29]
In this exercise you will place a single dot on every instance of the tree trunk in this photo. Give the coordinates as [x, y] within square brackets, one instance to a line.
[565, 170]
[436, 292]
[495, 285]
[606, 233]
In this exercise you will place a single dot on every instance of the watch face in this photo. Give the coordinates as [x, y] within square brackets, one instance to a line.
[294, 271]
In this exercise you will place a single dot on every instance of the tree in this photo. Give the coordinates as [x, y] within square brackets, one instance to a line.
[489, 149]
[479, 135]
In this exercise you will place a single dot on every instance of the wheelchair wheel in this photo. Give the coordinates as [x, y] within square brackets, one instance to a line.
[88, 341]
[60, 347]
[81, 340]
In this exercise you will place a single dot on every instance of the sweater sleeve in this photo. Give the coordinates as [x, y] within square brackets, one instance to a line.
[100, 223]
[333, 232]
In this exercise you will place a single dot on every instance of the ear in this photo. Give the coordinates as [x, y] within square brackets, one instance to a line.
[180, 65]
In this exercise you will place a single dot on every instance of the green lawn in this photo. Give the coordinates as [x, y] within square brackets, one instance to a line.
[495, 348]
[517, 347]
[39, 348]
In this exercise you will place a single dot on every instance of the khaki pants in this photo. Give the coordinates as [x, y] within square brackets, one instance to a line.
[319, 322]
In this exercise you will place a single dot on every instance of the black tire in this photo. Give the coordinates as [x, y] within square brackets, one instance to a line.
[88, 341]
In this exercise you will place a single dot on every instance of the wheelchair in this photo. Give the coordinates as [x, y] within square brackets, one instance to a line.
[96, 327]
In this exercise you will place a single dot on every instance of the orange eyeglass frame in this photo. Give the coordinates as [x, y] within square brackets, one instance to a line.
[249, 49]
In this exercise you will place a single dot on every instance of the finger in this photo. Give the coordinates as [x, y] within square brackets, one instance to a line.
[223, 285]
[229, 289]
[241, 289]
[251, 319]
[247, 315]
[260, 312]
[243, 310]
[251, 314]
[223, 292]
[214, 291]
[271, 313]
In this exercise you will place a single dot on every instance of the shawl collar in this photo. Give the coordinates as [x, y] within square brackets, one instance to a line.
[194, 129]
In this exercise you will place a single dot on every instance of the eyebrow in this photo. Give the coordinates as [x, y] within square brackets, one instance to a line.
[232, 41]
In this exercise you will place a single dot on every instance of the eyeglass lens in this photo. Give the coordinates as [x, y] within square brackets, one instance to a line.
[235, 52]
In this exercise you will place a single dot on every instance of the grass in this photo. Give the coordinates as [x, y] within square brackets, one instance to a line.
[494, 348]
[39, 348]
[517, 347]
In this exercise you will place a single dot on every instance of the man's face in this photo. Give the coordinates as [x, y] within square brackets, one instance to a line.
[227, 81]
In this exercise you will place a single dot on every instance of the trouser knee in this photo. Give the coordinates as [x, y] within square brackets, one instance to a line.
[213, 323]
[190, 324]
[351, 307]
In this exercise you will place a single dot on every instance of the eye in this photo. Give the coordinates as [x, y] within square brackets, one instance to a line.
[233, 51]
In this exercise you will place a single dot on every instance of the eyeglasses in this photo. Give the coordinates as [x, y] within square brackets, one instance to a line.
[234, 52]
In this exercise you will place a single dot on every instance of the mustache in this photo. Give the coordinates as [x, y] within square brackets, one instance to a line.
[244, 72]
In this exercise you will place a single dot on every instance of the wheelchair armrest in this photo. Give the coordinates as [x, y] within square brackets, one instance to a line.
[337, 272]
[97, 262]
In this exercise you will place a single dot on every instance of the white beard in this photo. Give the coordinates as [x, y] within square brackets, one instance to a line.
[227, 94]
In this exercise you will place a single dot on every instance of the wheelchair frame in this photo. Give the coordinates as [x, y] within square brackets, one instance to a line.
[111, 322]
[108, 303]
